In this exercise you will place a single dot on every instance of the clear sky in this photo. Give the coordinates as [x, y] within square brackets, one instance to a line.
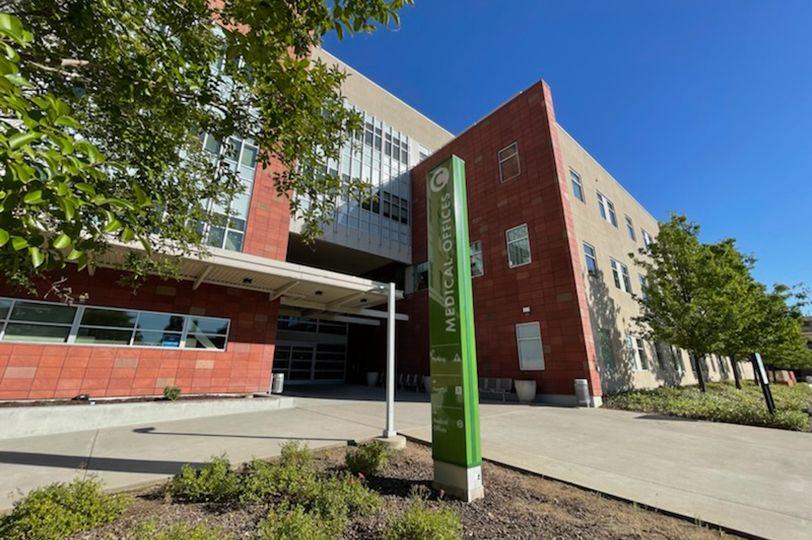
[702, 107]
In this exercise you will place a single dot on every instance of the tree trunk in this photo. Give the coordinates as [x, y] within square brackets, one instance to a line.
[699, 375]
[735, 365]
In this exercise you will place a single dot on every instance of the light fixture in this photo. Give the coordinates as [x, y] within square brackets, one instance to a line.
[526, 310]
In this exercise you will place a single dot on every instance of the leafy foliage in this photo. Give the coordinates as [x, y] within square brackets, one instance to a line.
[419, 522]
[145, 78]
[215, 482]
[723, 403]
[51, 208]
[368, 459]
[293, 524]
[150, 530]
[60, 510]
[172, 393]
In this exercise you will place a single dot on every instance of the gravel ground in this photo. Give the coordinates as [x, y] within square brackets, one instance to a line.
[516, 506]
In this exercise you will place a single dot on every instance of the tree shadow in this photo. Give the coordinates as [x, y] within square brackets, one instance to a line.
[613, 366]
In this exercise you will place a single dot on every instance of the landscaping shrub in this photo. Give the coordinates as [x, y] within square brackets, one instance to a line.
[171, 393]
[419, 522]
[178, 531]
[262, 481]
[340, 497]
[368, 459]
[215, 482]
[293, 524]
[59, 510]
[296, 454]
[723, 403]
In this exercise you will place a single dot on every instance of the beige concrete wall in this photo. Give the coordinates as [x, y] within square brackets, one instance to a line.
[611, 309]
[365, 94]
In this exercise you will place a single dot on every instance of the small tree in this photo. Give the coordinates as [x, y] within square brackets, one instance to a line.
[690, 288]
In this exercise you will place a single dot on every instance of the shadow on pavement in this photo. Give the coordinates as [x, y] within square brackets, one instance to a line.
[83, 463]
[152, 431]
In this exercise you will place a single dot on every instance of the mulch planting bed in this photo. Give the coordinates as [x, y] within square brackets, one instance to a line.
[516, 506]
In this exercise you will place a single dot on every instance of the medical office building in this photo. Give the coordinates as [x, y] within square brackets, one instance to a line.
[550, 229]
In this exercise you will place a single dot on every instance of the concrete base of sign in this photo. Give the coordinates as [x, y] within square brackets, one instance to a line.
[395, 442]
[460, 482]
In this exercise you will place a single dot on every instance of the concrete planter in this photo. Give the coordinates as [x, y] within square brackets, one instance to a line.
[525, 390]
[372, 378]
[46, 420]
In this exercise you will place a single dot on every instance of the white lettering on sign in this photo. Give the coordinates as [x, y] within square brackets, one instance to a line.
[449, 279]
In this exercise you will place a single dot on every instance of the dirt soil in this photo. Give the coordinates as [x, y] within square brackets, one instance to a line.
[516, 506]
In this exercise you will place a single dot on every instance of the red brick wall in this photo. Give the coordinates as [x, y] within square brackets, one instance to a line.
[63, 371]
[266, 232]
[550, 284]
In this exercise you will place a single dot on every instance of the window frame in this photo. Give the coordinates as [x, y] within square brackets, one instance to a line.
[620, 275]
[575, 180]
[522, 366]
[647, 239]
[607, 209]
[637, 350]
[630, 229]
[508, 242]
[472, 253]
[593, 257]
[501, 161]
[76, 325]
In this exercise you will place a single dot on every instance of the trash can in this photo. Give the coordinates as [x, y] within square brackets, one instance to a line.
[278, 383]
[582, 392]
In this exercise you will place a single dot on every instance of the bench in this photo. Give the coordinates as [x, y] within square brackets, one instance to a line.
[490, 385]
[410, 381]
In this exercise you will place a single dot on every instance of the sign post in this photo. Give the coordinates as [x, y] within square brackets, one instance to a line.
[764, 381]
[454, 392]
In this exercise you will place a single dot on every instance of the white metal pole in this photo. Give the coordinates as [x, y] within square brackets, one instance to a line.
[390, 365]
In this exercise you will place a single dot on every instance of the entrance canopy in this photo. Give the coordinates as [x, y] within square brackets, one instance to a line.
[312, 290]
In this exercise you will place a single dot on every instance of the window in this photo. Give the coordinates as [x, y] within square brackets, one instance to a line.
[43, 322]
[423, 153]
[607, 209]
[591, 261]
[477, 266]
[518, 246]
[509, 163]
[531, 354]
[676, 358]
[646, 238]
[637, 353]
[630, 228]
[643, 287]
[395, 208]
[577, 187]
[421, 276]
[607, 356]
[621, 276]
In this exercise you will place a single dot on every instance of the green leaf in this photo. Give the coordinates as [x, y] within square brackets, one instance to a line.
[112, 226]
[127, 234]
[37, 257]
[16, 141]
[62, 241]
[18, 243]
[33, 197]
[74, 254]
[87, 188]
[3, 237]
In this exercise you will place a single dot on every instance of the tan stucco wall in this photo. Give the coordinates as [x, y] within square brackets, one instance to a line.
[610, 308]
[365, 94]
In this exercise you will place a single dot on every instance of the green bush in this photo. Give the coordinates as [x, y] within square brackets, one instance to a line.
[296, 454]
[293, 524]
[178, 531]
[59, 510]
[339, 497]
[419, 522]
[262, 481]
[368, 459]
[171, 393]
[722, 403]
[215, 482]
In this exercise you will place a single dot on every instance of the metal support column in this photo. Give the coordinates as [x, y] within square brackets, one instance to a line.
[390, 365]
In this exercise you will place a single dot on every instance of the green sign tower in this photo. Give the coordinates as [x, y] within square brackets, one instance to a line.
[454, 395]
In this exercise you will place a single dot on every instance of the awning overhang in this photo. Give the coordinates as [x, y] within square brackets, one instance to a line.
[306, 288]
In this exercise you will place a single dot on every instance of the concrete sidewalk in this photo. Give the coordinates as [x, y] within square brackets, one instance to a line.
[754, 480]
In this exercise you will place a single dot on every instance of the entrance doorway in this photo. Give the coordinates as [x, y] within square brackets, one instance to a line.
[303, 362]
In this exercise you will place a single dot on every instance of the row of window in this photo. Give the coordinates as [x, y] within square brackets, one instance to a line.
[620, 272]
[518, 251]
[607, 209]
[47, 322]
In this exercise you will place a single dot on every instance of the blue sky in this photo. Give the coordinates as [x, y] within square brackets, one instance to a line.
[702, 107]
